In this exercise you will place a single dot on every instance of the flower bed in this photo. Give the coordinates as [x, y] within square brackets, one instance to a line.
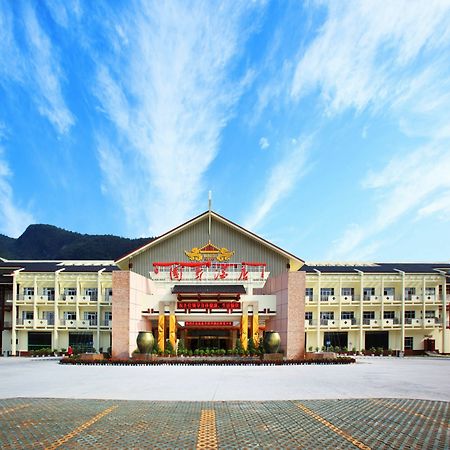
[206, 362]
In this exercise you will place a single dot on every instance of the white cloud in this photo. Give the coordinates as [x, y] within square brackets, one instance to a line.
[361, 53]
[282, 179]
[13, 219]
[46, 74]
[264, 143]
[415, 184]
[390, 61]
[169, 100]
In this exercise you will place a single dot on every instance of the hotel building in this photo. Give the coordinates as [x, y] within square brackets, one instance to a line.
[210, 283]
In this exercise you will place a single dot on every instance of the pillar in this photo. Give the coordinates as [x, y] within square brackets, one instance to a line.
[161, 337]
[255, 327]
[172, 330]
[244, 330]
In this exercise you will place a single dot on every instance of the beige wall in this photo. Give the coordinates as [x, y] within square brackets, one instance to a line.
[128, 288]
[289, 322]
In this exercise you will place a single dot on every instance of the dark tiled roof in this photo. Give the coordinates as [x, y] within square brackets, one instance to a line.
[208, 289]
[379, 268]
[53, 266]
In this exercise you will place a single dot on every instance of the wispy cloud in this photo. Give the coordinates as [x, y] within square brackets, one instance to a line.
[46, 74]
[282, 179]
[366, 58]
[264, 143]
[168, 102]
[13, 218]
[417, 183]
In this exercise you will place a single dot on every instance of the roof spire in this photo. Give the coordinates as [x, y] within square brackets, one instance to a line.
[209, 212]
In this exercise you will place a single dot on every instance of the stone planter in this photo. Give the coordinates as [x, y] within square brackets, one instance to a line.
[271, 342]
[145, 341]
[91, 356]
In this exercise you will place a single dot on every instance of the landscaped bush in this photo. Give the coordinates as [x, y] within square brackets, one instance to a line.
[207, 362]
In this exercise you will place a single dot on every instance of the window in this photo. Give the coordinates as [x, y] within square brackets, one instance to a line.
[430, 314]
[409, 343]
[49, 316]
[430, 292]
[28, 291]
[368, 292]
[325, 316]
[70, 292]
[108, 292]
[347, 315]
[409, 292]
[49, 292]
[389, 315]
[325, 293]
[309, 292]
[91, 316]
[410, 314]
[70, 315]
[108, 317]
[347, 292]
[308, 315]
[368, 316]
[390, 291]
[27, 315]
[92, 292]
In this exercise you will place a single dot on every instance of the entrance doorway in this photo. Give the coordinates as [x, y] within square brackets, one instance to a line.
[38, 340]
[208, 338]
[338, 339]
[377, 339]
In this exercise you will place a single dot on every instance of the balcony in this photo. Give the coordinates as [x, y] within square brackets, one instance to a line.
[413, 322]
[108, 299]
[328, 298]
[108, 324]
[328, 322]
[372, 322]
[431, 322]
[44, 298]
[27, 323]
[348, 322]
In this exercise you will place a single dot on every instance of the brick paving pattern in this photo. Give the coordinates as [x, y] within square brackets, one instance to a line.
[311, 424]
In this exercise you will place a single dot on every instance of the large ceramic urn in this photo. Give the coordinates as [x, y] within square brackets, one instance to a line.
[145, 341]
[271, 342]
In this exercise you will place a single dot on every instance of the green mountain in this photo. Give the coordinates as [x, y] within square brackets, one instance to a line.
[50, 242]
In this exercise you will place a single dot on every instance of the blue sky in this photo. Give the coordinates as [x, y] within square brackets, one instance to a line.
[322, 126]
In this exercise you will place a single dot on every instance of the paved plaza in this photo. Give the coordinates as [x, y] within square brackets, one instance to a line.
[377, 403]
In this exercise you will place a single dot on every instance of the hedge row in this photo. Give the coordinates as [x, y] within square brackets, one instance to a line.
[205, 362]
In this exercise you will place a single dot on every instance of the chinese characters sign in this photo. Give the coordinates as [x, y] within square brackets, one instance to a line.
[209, 305]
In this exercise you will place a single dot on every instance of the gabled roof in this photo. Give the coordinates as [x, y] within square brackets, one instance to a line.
[219, 218]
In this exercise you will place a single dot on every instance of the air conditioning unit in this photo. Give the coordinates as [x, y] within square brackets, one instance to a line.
[415, 321]
[346, 298]
[374, 298]
[388, 322]
[331, 322]
[416, 298]
[388, 298]
[70, 323]
[85, 298]
[374, 322]
[28, 322]
[429, 321]
[28, 298]
[332, 298]
[430, 298]
[43, 298]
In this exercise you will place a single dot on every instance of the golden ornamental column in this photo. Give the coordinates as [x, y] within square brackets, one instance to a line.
[172, 330]
[255, 328]
[161, 337]
[244, 329]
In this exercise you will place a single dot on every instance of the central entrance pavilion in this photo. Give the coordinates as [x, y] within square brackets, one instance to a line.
[210, 283]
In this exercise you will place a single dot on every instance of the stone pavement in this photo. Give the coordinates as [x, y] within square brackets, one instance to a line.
[312, 424]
